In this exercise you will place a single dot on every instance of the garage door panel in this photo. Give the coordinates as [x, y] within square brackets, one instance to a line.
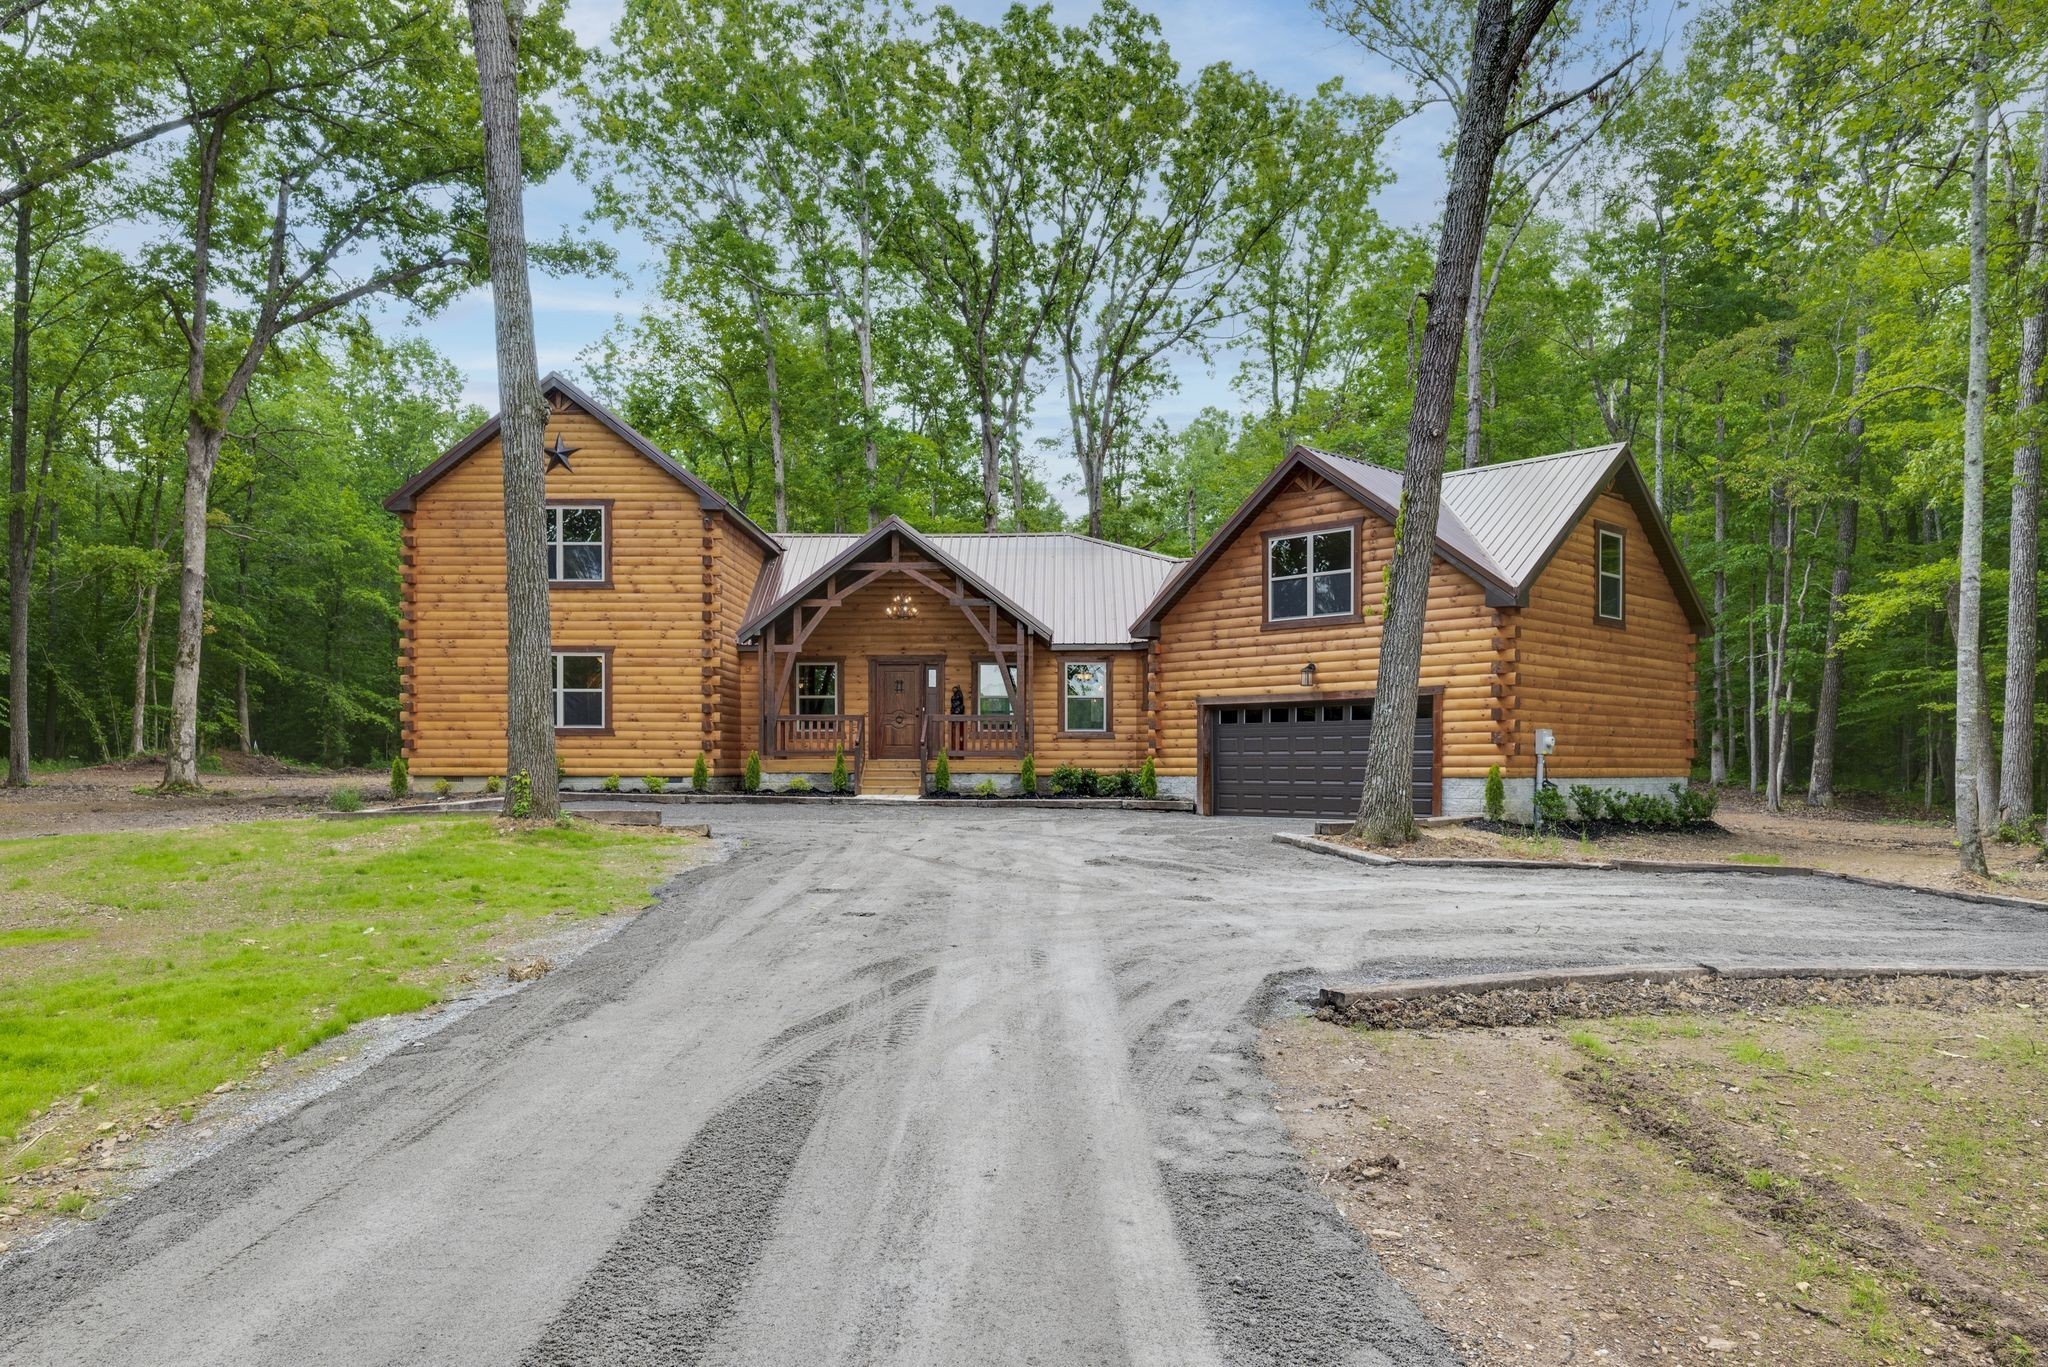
[1304, 761]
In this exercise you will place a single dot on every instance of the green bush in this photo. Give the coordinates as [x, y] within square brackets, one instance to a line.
[561, 774]
[985, 788]
[522, 796]
[700, 774]
[942, 774]
[1496, 795]
[1549, 805]
[345, 800]
[401, 778]
[611, 783]
[1618, 807]
[1122, 783]
[750, 774]
[1070, 780]
[842, 782]
[494, 784]
[654, 783]
[1027, 776]
[1148, 779]
[799, 784]
[442, 787]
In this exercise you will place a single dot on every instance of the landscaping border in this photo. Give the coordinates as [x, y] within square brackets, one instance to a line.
[1318, 844]
[574, 797]
[1547, 979]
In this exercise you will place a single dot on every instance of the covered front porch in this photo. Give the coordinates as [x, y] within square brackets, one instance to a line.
[890, 655]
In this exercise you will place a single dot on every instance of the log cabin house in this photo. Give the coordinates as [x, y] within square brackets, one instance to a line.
[1558, 604]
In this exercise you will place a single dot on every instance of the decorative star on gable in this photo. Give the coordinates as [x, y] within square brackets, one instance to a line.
[559, 453]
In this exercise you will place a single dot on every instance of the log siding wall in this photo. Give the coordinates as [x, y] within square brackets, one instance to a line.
[1618, 695]
[653, 618]
[1213, 644]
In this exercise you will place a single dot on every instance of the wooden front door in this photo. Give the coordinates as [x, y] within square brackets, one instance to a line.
[900, 699]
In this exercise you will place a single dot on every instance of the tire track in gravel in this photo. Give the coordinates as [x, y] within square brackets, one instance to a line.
[672, 1277]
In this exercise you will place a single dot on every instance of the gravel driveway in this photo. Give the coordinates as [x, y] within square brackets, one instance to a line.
[884, 1086]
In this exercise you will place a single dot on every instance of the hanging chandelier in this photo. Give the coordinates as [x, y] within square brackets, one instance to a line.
[900, 606]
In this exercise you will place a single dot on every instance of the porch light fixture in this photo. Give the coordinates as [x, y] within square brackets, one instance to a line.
[1308, 675]
[900, 606]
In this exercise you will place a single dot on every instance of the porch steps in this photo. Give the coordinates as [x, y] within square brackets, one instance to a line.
[891, 778]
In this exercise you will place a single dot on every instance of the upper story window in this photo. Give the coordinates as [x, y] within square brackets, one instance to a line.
[991, 698]
[1086, 702]
[1608, 581]
[1311, 575]
[580, 691]
[817, 689]
[576, 549]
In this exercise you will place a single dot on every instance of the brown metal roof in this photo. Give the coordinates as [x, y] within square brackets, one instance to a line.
[1501, 524]
[401, 499]
[1077, 590]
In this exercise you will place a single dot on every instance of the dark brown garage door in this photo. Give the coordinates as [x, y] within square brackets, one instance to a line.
[1305, 761]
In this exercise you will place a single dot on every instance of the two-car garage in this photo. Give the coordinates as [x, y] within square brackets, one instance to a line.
[1304, 759]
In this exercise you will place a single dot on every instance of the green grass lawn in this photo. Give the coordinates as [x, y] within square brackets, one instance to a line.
[140, 970]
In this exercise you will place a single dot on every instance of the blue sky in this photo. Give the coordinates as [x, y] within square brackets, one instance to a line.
[1282, 40]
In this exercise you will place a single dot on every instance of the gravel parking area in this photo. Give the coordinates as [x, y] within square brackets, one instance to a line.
[887, 1085]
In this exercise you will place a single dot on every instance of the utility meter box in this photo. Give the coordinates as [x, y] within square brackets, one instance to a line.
[1546, 741]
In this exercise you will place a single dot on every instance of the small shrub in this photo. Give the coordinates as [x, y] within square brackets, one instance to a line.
[799, 784]
[561, 774]
[700, 774]
[1549, 805]
[1496, 795]
[442, 787]
[985, 788]
[1148, 779]
[494, 784]
[842, 781]
[346, 800]
[750, 774]
[1122, 783]
[1695, 806]
[1027, 776]
[655, 783]
[401, 778]
[1587, 801]
[942, 774]
[611, 783]
[522, 796]
[1070, 780]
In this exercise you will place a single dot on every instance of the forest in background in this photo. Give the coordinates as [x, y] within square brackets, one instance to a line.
[896, 244]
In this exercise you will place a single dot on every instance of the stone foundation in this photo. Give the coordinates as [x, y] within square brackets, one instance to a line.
[1467, 796]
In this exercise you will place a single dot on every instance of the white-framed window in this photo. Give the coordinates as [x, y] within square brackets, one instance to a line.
[1087, 695]
[1609, 585]
[1310, 575]
[991, 698]
[817, 688]
[580, 690]
[576, 544]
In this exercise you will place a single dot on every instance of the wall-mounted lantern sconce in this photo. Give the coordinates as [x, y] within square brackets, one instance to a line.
[1308, 675]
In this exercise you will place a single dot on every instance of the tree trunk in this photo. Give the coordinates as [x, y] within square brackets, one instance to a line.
[1749, 700]
[1969, 653]
[49, 552]
[202, 449]
[245, 735]
[1717, 751]
[145, 619]
[1663, 356]
[2022, 605]
[17, 506]
[1500, 44]
[529, 662]
[769, 373]
[1475, 355]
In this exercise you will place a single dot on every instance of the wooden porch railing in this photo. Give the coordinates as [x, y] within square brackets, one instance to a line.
[980, 737]
[818, 735]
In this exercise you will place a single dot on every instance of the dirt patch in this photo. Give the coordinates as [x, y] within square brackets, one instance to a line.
[118, 796]
[1752, 1176]
[1868, 840]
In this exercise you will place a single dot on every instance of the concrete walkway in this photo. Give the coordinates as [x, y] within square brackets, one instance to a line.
[885, 1086]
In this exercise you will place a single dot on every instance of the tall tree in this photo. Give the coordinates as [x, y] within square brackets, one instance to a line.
[496, 29]
[1970, 571]
[2022, 604]
[1503, 37]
